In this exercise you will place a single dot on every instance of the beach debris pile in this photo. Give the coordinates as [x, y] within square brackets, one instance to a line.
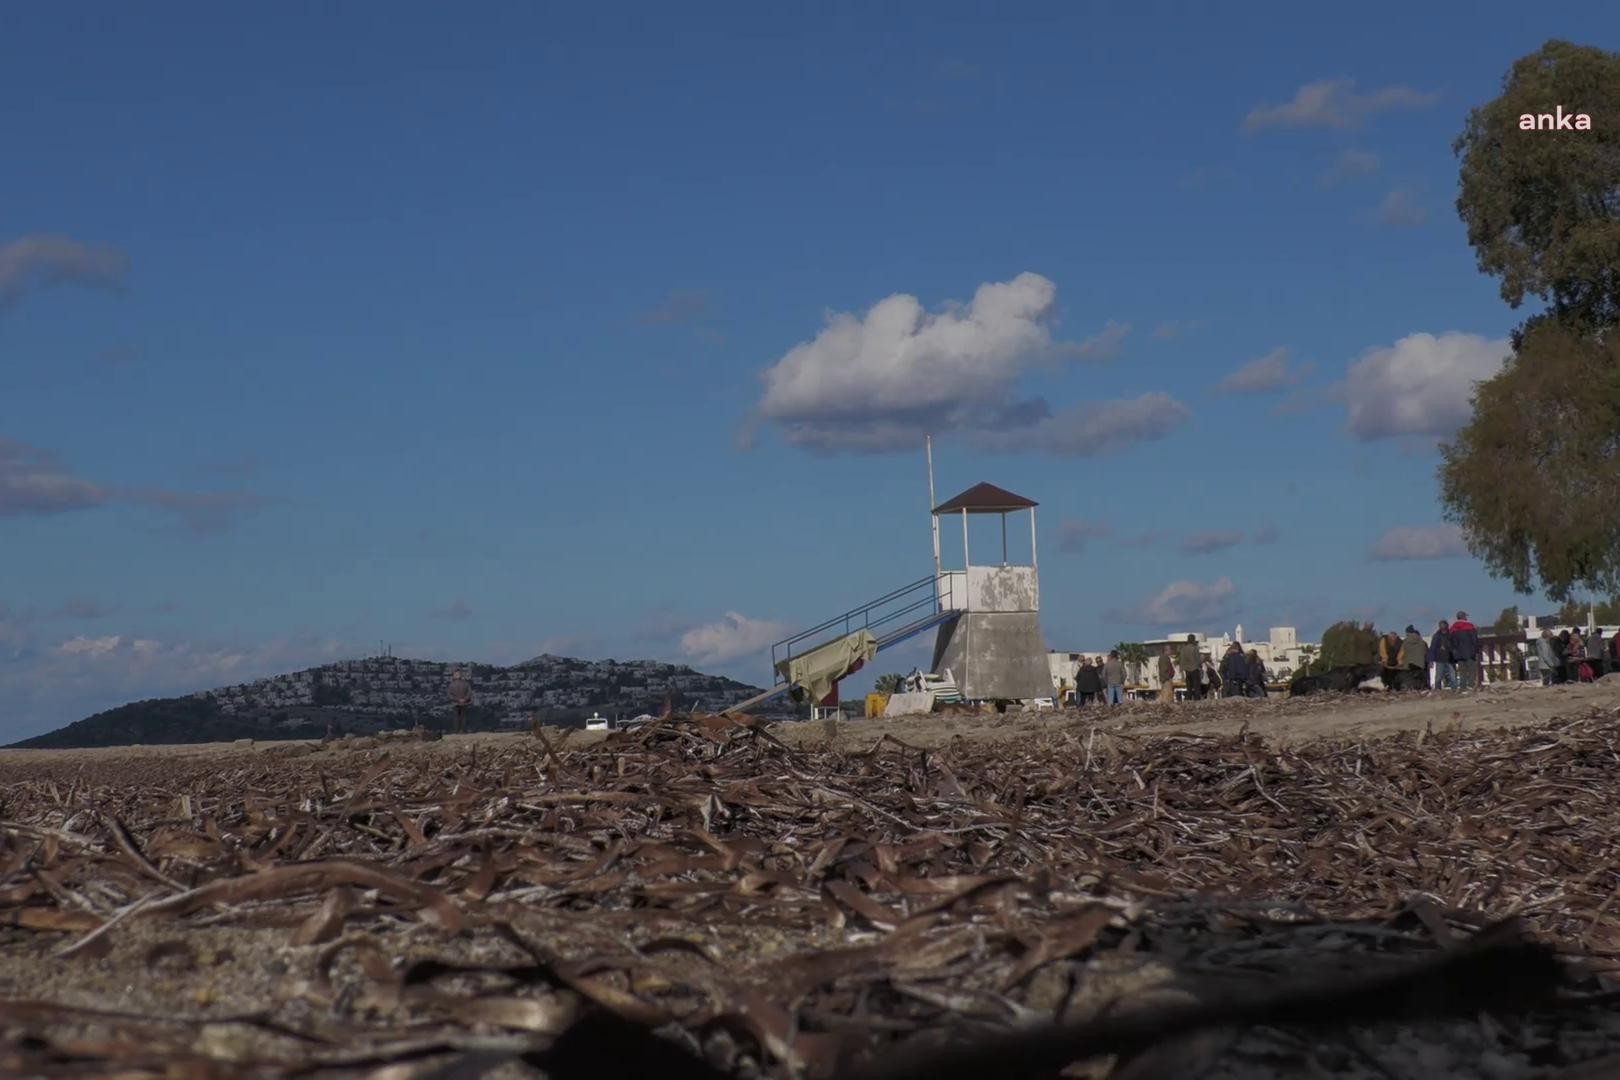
[699, 896]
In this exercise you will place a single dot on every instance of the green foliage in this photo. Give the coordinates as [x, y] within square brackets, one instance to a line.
[889, 684]
[1533, 479]
[1348, 643]
[1542, 208]
[1508, 622]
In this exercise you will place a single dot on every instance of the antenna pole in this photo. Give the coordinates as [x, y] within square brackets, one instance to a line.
[933, 517]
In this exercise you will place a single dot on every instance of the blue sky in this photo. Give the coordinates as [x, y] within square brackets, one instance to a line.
[325, 325]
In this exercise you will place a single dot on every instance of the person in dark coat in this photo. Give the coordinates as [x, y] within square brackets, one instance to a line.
[1087, 682]
[1257, 674]
[1235, 671]
[1445, 668]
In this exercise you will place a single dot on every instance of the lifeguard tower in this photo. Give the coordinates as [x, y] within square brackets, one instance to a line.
[986, 618]
[994, 648]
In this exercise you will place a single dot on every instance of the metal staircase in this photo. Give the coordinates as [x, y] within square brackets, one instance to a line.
[892, 618]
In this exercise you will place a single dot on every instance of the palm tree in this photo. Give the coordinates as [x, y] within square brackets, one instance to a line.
[1134, 655]
[1307, 656]
[889, 684]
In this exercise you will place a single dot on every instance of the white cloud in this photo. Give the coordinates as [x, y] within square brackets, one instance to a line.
[880, 381]
[1183, 603]
[1421, 385]
[41, 261]
[1348, 165]
[1105, 344]
[1272, 371]
[1073, 535]
[1420, 542]
[1400, 210]
[732, 637]
[83, 646]
[1333, 103]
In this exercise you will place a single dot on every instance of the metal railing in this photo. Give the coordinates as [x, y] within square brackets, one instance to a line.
[889, 617]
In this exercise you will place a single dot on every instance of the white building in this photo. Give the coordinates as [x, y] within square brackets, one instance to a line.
[1281, 652]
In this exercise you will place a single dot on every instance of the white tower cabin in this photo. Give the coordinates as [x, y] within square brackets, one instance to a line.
[994, 649]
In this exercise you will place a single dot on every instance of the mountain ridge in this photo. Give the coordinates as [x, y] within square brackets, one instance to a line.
[382, 692]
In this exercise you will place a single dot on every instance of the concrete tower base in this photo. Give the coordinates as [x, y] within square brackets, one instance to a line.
[995, 656]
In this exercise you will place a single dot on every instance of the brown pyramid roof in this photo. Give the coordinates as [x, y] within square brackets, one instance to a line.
[985, 499]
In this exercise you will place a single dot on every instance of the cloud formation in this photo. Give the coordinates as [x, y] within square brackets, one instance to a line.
[41, 261]
[1183, 604]
[878, 382]
[1400, 210]
[1421, 385]
[1204, 543]
[1348, 165]
[731, 638]
[34, 481]
[1272, 371]
[1074, 535]
[1333, 104]
[1420, 542]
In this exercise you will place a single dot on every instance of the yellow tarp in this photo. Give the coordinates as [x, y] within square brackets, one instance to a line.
[819, 670]
[875, 704]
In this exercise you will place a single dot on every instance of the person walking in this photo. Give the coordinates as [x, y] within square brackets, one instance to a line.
[1192, 667]
[1414, 660]
[1167, 675]
[1114, 679]
[1087, 682]
[460, 699]
[1465, 651]
[1547, 657]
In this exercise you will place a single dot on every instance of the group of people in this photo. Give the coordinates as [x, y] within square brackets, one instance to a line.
[1240, 674]
[1451, 652]
[1570, 656]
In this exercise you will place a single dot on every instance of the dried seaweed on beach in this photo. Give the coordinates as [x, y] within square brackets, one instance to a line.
[768, 909]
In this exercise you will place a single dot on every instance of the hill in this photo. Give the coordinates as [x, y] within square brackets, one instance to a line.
[366, 696]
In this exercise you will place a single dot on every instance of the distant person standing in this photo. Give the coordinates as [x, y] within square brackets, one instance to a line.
[1167, 676]
[1258, 675]
[1415, 660]
[1192, 667]
[1465, 651]
[1574, 657]
[1547, 658]
[1445, 667]
[1235, 671]
[1389, 660]
[1597, 653]
[1114, 678]
[460, 699]
[1087, 682]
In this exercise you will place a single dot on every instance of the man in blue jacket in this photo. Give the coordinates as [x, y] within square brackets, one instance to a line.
[1465, 651]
